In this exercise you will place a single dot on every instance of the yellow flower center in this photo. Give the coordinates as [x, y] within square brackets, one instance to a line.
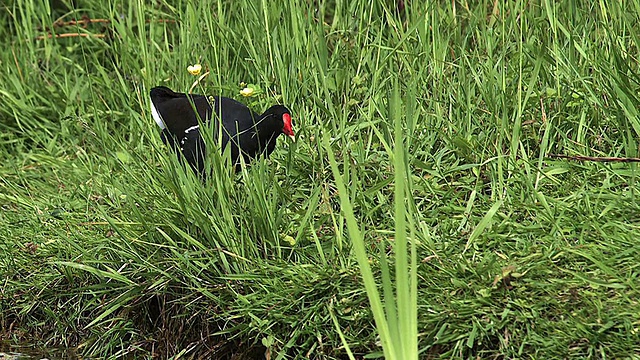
[194, 69]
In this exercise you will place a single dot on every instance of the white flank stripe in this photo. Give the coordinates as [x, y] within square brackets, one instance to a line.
[191, 129]
[156, 116]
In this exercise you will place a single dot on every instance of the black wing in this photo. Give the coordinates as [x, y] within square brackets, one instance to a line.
[179, 111]
[190, 145]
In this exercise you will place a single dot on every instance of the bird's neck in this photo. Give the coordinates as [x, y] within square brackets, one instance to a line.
[267, 131]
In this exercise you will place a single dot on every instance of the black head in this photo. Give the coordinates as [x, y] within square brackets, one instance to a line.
[282, 115]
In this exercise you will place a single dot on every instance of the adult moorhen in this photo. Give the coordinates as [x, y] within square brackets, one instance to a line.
[180, 115]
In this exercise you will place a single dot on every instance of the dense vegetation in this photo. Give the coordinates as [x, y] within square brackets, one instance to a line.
[108, 244]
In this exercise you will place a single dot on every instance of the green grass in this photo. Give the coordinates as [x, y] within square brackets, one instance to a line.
[423, 135]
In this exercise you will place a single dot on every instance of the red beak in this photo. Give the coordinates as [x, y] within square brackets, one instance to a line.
[288, 127]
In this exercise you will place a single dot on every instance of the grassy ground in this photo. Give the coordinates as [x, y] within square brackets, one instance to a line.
[107, 244]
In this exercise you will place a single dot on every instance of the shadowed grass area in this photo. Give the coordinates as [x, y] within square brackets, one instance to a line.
[108, 244]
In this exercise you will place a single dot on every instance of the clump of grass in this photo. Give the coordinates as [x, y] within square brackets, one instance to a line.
[112, 246]
[396, 314]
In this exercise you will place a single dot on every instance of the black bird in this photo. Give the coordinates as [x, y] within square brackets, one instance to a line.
[250, 134]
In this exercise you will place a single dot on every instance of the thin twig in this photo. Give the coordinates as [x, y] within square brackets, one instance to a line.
[594, 159]
[83, 21]
[86, 20]
[68, 35]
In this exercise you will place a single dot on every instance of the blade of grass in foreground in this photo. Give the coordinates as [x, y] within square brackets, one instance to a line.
[396, 318]
[406, 277]
[361, 257]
